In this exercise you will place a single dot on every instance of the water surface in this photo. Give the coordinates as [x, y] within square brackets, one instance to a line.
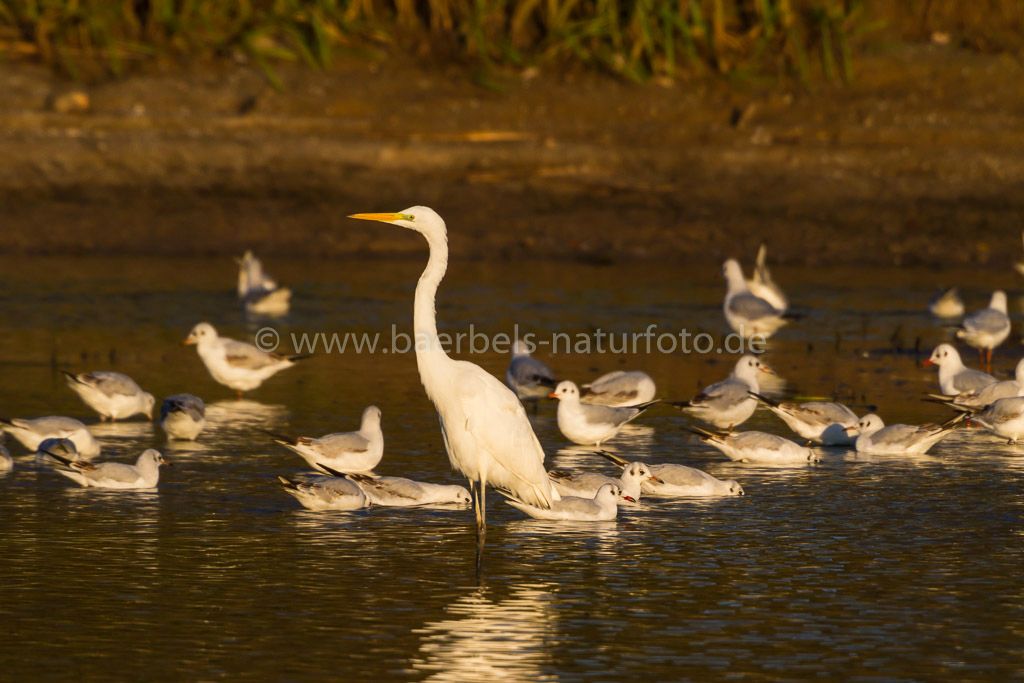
[865, 568]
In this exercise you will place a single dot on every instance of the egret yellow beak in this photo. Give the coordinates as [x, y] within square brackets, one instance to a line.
[383, 217]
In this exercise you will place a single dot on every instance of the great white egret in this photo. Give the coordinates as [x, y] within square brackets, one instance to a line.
[485, 429]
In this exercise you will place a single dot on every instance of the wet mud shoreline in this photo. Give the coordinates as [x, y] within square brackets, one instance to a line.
[920, 161]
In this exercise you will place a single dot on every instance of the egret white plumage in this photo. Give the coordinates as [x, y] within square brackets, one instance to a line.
[485, 428]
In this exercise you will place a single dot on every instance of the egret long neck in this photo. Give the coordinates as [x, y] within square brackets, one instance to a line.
[428, 346]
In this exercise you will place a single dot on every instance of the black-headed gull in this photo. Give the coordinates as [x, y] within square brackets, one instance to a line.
[762, 285]
[237, 365]
[183, 416]
[873, 436]
[114, 395]
[954, 376]
[671, 479]
[619, 389]
[757, 447]
[588, 424]
[979, 398]
[603, 507]
[144, 474]
[65, 448]
[988, 328]
[947, 304]
[1004, 417]
[325, 493]
[30, 432]
[258, 291]
[528, 377]
[747, 314]
[401, 492]
[821, 422]
[586, 484]
[728, 404]
[346, 452]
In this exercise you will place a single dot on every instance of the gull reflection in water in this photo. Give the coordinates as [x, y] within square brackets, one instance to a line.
[241, 418]
[119, 435]
[486, 640]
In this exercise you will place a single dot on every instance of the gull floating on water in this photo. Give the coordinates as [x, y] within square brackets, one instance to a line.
[345, 452]
[603, 507]
[325, 493]
[728, 404]
[986, 329]
[762, 285]
[1004, 417]
[530, 378]
[258, 291]
[401, 492]
[620, 389]
[237, 365]
[183, 416]
[747, 314]
[947, 304]
[954, 377]
[6, 461]
[64, 448]
[115, 396]
[587, 484]
[822, 422]
[671, 479]
[144, 474]
[757, 447]
[873, 436]
[979, 398]
[588, 424]
[30, 432]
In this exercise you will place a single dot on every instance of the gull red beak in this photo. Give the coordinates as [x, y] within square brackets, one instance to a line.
[927, 362]
[631, 499]
[655, 479]
[767, 370]
[553, 395]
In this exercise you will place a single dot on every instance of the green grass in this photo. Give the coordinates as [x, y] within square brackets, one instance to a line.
[635, 39]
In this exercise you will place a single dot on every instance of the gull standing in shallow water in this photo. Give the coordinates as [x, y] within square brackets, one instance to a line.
[144, 474]
[986, 329]
[747, 314]
[620, 389]
[485, 428]
[325, 493]
[587, 484]
[762, 285]
[757, 447]
[954, 377]
[113, 395]
[31, 432]
[588, 424]
[258, 291]
[345, 452]
[183, 416]
[530, 378]
[822, 422]
[729, 403]
[237, 365]
[671, 479]
[873, 436]
[603, 507]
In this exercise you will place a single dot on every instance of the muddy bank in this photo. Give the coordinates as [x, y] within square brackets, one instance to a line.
[921, 161]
